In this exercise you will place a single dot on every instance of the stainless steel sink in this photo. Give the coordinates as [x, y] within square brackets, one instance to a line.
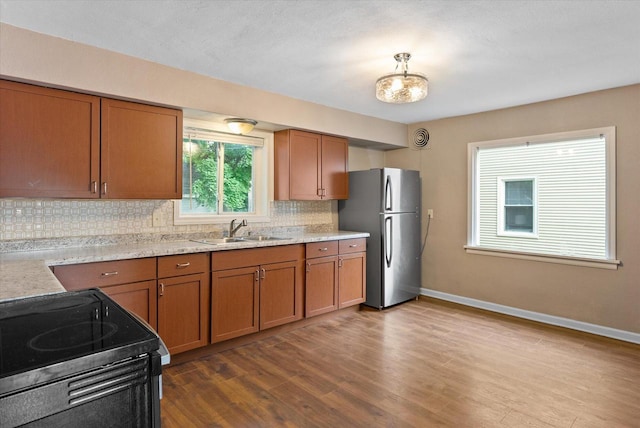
[264, 238]
[248, 238]
[217, 241]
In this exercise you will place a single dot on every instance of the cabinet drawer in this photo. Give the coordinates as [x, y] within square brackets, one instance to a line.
[223, 260]
[90, 275]
[322, 249]
[182, 264]
[356, 245]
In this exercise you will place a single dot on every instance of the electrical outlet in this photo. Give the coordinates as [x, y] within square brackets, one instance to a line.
[156, 220]
[430, 213]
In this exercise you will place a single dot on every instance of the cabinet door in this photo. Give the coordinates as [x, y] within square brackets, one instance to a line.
[183, 309]
[335, 168]
[141, 151]
[138, 297]
[352, 270]
[49, 142]
[234, 303]
[280, 294]
[304, 165]
[321, 286]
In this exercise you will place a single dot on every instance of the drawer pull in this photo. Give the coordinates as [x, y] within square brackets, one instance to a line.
[162, 288]
[115, 272]
[323, 249]
[353, 245]
[183, 265]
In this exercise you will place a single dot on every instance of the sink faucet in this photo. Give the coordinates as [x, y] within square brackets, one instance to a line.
[233, 228]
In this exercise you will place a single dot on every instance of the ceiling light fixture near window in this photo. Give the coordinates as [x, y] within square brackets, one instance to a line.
[240, 126]
[402, 87]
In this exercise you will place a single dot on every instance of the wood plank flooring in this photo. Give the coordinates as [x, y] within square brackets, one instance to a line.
[421, 364]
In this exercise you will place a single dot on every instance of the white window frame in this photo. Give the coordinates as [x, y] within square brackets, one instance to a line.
[473, 212]
[263, 180]
[501, 207]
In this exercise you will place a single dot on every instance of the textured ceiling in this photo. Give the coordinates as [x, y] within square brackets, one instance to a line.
[478, 55]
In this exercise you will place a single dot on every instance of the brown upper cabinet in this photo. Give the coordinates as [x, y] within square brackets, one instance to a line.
[49, 142]
[310, 166]
[61, 144]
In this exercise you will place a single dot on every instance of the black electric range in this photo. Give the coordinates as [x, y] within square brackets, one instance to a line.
[81, 346]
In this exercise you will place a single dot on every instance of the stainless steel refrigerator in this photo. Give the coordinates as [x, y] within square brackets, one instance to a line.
[386, 203]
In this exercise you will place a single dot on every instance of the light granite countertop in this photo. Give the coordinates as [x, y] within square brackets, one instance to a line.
[27, 273]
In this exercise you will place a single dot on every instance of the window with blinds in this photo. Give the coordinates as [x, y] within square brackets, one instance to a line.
[550, 194]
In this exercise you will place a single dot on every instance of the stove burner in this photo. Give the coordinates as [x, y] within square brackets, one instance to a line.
[73, 336]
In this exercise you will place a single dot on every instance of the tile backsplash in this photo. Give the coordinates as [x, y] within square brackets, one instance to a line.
[27, 219]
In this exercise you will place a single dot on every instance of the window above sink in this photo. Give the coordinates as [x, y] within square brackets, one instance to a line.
[224, 175]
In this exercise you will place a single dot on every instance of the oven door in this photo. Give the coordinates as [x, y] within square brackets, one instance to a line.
[123, 394]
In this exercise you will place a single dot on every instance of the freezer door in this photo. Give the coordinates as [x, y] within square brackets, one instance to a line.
[400, 190]
[400, 257]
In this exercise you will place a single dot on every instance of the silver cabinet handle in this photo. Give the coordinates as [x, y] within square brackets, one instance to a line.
[257, 275]
[94, 186]
[115, 272]
[264, 273]
[162, 288]
[183, 265]
[104, 188]
[353, 245]
[323, 249]
[340, 262]
[308, 267]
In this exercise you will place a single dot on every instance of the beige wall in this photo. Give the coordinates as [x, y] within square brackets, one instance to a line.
[604, 297]
[39, 58]
[361, 158]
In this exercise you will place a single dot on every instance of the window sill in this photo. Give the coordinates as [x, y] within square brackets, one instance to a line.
[575, 261]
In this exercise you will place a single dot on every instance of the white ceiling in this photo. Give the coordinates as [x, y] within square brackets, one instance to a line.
[478, 55]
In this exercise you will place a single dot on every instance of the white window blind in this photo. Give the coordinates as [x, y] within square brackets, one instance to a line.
[574, 191]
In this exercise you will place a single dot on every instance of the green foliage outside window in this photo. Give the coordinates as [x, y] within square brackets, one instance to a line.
[237, 175]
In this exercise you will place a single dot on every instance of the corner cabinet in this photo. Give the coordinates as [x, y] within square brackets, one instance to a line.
[255, 289]
[170, 293]
[310, 166]
[131, 283]
[62, 144]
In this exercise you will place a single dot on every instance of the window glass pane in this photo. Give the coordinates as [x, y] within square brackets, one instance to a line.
[200, 176]
[518, 219]
[238, 178]
[518, 192]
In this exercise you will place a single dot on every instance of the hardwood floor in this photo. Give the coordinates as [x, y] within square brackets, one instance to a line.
[421, 364]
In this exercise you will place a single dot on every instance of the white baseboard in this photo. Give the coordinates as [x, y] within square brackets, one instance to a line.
[613, 333]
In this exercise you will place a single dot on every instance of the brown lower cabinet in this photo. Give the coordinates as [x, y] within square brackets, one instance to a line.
[131, 283]
[183, 301]
[255, 289]
[248, 290]
[176, 305]
[335, 275]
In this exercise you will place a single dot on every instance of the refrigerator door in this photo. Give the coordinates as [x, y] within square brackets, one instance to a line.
[400, 257]
[400, 190]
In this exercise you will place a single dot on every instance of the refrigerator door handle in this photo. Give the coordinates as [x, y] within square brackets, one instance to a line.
[388, 240]
[387, 195]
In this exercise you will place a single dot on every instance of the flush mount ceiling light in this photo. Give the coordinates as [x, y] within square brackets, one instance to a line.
[240, 126]
[401, 87]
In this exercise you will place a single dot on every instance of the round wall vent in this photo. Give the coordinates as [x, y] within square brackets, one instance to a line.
[421, 138]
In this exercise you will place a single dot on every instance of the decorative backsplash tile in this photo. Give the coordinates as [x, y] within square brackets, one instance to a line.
[29, 219]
